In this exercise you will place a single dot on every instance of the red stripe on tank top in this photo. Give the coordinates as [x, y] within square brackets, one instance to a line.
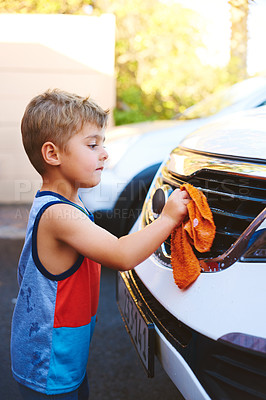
[77, 296]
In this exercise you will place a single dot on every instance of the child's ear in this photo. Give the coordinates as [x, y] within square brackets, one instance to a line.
[51, 154]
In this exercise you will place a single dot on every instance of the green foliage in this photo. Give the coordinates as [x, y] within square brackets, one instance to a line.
[135, 106]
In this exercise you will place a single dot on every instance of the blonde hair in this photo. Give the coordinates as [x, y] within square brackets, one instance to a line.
[56, 116]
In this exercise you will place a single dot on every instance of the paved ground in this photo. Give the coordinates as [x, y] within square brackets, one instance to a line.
[13, 221]
[114, 369]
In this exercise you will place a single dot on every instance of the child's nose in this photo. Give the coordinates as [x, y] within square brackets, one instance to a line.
[104, 154]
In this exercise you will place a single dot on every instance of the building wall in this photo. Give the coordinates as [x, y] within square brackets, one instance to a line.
[39, 52]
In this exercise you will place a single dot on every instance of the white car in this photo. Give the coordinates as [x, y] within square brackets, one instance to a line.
[211, 337]
[137, 150]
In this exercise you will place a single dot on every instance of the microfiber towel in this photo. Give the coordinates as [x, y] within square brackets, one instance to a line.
[198, 230]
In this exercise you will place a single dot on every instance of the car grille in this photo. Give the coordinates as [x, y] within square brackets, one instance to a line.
[235, 191]
[234, 201]
[233, 373]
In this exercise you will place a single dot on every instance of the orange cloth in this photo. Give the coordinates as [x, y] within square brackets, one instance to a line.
[198, 230]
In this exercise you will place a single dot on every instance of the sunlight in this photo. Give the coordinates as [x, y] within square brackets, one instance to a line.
[256, 44]
[217, 38]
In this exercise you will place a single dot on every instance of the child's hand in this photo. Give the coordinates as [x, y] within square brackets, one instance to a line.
[176, 206]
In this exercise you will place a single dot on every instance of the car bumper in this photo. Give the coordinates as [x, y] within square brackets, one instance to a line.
[200, 367]
[164, 339]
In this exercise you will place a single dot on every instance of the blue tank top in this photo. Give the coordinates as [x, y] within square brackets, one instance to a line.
[54, 316]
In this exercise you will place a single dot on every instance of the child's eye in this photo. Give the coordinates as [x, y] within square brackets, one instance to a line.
[92, 146]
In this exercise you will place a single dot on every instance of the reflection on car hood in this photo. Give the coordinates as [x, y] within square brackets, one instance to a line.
[240, 135]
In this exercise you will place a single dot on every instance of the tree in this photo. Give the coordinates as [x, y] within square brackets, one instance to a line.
[159, 72]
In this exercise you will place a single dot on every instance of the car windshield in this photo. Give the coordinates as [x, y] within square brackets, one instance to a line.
[223, 99]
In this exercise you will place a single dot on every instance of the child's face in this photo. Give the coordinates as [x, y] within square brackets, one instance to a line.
[83, 161]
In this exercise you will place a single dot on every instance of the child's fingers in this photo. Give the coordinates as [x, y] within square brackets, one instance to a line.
[185, 195]
[186, 201]
[181, 195]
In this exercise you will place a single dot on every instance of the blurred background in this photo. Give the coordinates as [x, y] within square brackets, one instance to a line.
[143, 59]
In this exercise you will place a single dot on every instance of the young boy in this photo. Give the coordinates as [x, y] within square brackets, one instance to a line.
[59, 268]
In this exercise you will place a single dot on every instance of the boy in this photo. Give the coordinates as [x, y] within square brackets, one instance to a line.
[59, 268]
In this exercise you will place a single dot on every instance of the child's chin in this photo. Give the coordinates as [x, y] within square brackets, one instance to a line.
[88, 185]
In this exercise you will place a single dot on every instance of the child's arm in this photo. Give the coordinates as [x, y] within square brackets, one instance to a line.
[99, 245]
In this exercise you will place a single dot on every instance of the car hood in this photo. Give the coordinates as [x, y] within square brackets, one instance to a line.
[239, 135]
[139, 128]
